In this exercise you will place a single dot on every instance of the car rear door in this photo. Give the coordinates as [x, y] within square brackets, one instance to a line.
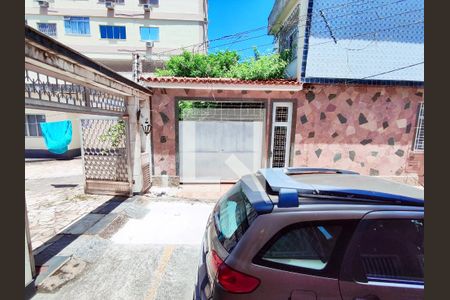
[385, 258]
[296, 255]
[230, 219]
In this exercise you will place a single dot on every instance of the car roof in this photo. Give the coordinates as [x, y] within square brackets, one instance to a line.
[269, 187]
[361, 182]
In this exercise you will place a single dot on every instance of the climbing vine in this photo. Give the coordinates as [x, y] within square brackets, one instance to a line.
[114, 134]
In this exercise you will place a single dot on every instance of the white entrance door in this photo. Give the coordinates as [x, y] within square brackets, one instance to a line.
[281, 134]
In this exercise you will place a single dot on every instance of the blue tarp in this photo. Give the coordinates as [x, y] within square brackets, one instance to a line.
[57, 135]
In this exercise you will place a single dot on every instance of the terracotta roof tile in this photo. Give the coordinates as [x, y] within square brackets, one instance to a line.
[292, 82]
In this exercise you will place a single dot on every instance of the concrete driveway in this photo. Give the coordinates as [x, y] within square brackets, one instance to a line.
[144, 248]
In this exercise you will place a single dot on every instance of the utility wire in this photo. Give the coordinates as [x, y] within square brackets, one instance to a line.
[266, 27]
[352, 25]
[386, 72]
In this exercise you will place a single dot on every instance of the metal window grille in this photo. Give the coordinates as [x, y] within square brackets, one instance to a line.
[288, 36]
[279, 146]
[419, 143]
[281, 114]
[222, 111]
[32, 127]
[47, 28]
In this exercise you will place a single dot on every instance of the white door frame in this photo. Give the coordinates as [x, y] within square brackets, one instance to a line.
[287, 124]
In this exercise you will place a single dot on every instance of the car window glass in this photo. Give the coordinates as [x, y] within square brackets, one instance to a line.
[390, 250]
[233, 215]
[307, 246]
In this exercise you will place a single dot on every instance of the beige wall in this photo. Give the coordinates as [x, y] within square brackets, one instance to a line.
[52, 116]
[175, 6]
[180, 24]
[173, 34]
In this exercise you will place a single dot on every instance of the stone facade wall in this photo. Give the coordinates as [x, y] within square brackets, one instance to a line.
[164, 118]
[366, 129]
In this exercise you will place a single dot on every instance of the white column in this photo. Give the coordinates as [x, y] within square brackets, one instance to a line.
[135, 144]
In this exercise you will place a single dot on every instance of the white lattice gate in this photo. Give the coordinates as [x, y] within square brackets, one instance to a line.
[106, 157]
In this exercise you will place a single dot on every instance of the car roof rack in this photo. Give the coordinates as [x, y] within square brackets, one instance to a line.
[279, 179]
[299, 171]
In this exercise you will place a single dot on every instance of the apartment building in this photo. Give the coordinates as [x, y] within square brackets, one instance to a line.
[110, 31]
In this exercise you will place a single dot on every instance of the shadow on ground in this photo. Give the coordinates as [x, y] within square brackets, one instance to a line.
[45, 256]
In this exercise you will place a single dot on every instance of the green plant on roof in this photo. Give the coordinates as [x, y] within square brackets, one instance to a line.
[226, 64]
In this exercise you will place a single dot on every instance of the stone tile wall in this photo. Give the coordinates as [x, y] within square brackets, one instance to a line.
[366, 129]
[369, 129]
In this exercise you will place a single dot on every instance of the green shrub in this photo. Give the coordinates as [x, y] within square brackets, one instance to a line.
[226, 64]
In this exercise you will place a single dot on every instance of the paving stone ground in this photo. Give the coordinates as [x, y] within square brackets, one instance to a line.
[55, 197]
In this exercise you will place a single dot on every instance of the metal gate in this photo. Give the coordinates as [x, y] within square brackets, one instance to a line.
[220, 141]
[106, 157]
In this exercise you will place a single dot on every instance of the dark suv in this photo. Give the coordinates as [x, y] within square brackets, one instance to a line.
[304, 233]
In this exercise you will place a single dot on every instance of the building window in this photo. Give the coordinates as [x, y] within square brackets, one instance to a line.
[113, 32]
[152, 2]
[149, 33]
[47, 28]
[32, 127]
[115, 1]
[419, 142]
[77, 25]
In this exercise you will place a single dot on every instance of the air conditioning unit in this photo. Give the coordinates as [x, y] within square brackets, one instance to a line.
[151, 3]
[147, 7]
[149, 44]
[109, 4]
[43, 3]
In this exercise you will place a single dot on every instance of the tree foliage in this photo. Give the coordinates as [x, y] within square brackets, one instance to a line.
[226, 64]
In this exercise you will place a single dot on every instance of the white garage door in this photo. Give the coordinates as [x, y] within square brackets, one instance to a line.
[220, 141]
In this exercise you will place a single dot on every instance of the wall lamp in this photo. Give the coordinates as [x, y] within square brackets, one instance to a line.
[146, 127]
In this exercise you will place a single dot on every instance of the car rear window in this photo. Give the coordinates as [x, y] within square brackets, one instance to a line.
[233, 215]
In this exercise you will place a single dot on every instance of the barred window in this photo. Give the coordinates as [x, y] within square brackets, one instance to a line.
[419, 142]
[47, 28]
[32, 127]
[115, 1]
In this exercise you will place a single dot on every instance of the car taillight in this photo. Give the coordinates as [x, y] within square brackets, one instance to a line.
[231, 280]
[216, 261]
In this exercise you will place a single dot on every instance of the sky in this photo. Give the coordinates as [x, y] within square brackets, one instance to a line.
[228, 17]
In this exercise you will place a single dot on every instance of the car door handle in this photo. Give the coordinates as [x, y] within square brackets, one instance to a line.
[368, 297]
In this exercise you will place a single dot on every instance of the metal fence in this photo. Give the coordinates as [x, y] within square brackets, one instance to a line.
[104, 159]
[58, 91]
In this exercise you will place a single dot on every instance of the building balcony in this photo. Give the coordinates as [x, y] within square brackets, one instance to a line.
[280, 11]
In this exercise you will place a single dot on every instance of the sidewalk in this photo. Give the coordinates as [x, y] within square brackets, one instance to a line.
[210, 192]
